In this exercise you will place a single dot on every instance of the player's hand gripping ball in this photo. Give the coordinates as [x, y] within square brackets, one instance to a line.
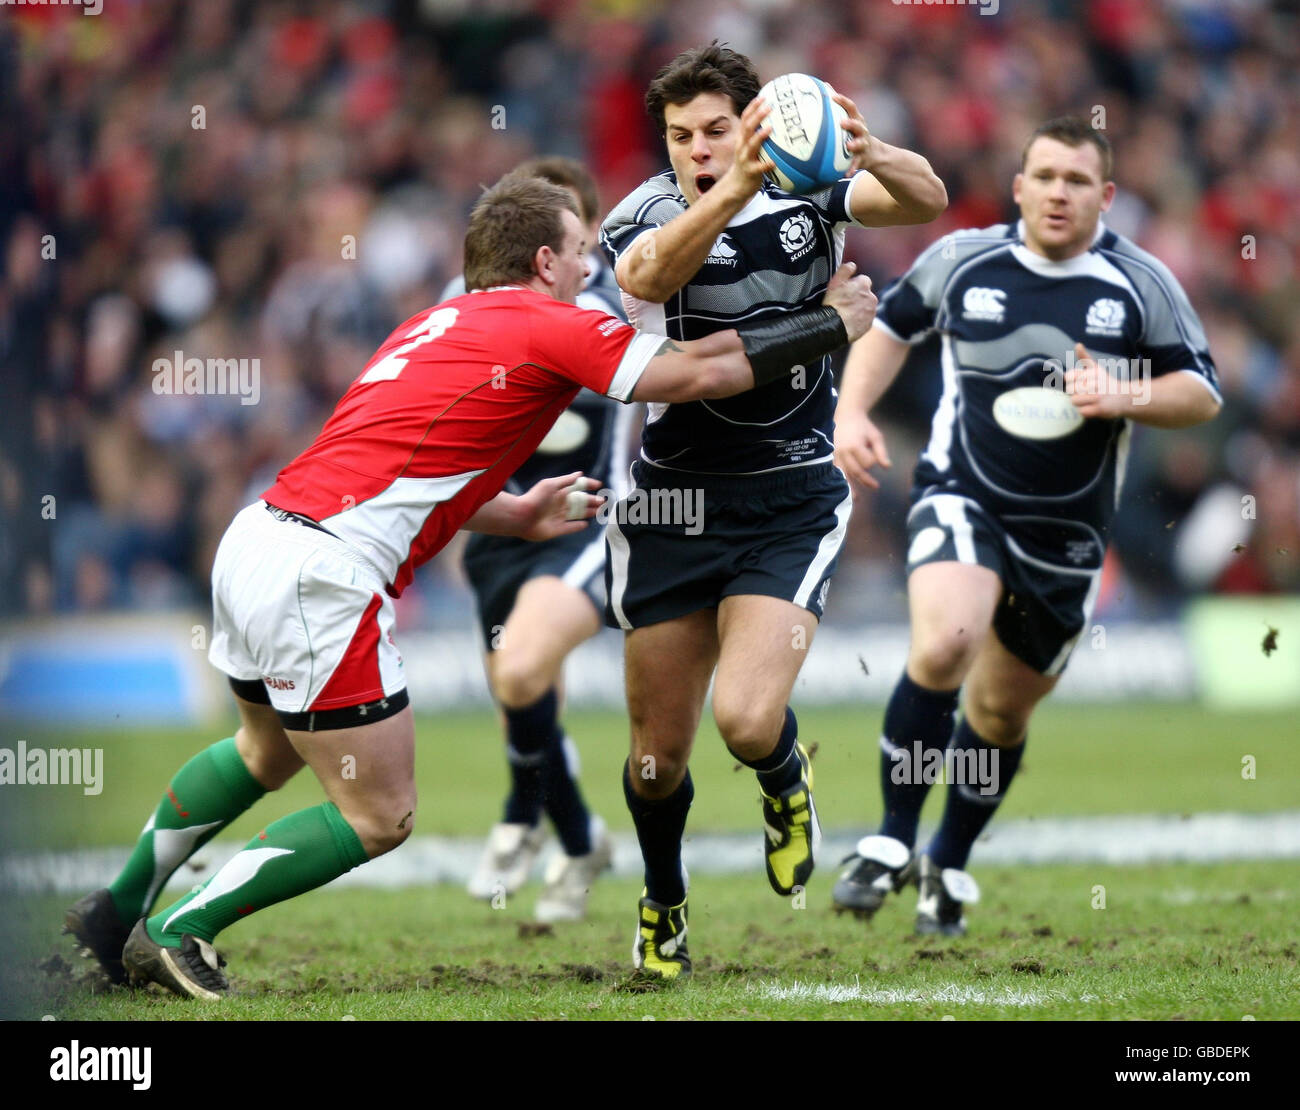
[807, 147]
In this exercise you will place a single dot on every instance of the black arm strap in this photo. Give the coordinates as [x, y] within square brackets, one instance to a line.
[774, 347]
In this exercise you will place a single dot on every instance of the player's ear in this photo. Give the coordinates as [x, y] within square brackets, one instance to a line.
[544, 264]
[1016, 182]
[1107, 195]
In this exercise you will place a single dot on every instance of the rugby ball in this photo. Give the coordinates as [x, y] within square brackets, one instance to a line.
[807, 146]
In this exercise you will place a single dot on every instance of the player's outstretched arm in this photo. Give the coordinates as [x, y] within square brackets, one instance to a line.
[550, 508]
[1174, 400]
[902, 189]
[732, 361]
[660, 262]
[872, 365]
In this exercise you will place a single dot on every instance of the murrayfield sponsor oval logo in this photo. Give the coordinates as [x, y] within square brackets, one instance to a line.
[1033, 412]
[568, 433]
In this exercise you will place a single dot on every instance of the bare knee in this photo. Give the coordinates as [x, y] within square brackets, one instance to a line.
[658, 759]
[520, 677]
[997, 717]
[381, 819]
[382, 826]
[749, 730]
[267, 754]
[939, 661]
[385, 837]
[656, 776]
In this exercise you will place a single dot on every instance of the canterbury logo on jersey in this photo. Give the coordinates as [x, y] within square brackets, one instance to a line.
[982, 303]
[723, 253]
[1105, 317]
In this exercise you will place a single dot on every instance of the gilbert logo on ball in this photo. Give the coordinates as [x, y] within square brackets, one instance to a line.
[807, 146]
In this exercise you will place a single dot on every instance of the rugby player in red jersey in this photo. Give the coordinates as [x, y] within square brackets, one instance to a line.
[303, 583]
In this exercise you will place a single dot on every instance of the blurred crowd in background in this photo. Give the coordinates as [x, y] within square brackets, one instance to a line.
[289, 181]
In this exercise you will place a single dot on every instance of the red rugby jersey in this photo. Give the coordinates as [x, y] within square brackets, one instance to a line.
[445, 411]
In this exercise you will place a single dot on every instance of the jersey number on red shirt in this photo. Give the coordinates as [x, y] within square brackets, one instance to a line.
[434, 325]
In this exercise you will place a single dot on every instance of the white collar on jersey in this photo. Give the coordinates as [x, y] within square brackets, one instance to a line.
[1079, 264]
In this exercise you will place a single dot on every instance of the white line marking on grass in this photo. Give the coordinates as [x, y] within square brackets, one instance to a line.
[1200, 838]
[949, 995]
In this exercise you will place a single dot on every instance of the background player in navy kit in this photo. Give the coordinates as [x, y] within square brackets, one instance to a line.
[1014, 495]
[698, 249]
[537, 602]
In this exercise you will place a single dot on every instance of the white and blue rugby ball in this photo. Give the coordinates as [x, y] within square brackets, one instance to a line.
[807, 146]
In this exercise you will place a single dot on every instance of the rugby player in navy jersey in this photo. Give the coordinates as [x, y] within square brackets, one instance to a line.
[536, 602]
[419, 446]
[739, 584]
[1057, 334]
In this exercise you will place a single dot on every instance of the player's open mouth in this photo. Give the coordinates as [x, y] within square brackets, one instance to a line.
[703, 183]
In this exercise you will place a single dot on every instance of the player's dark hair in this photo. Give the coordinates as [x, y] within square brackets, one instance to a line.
[1072, 131]
[705, 69]
[511, 222]
[559, 170]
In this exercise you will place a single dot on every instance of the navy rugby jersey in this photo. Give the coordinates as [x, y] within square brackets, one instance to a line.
[593, 433]
[776, 255]
[1008, 320]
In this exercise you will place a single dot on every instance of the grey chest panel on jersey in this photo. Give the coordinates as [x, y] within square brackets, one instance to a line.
[775, 257]
[1027, 341]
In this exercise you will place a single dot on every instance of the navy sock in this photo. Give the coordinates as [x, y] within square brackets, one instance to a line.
[779, 770]
[563, 799]
[915, 716]
[659, 827]
[982, 773]
[530, 733]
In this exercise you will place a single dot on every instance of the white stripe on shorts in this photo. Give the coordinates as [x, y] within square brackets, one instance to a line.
[586, 564]
[619, 554]
[950, 510]
[826, 551]
[1090, 600]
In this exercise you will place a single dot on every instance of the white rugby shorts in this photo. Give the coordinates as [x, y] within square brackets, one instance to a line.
[305, 613]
